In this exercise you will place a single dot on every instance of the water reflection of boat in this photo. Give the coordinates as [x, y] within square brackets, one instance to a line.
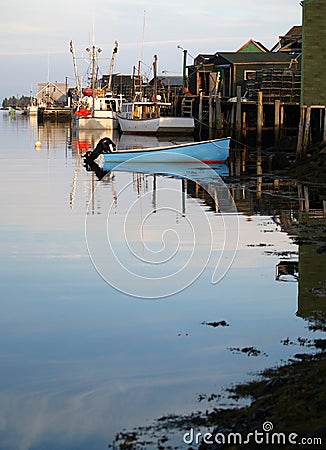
[207, 176]
[86, 139]
[178, 169]
[211, 152]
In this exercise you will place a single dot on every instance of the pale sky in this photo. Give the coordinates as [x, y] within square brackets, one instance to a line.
[35, 34]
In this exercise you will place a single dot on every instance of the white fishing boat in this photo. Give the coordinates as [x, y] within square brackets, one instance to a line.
[32, 108]
[98, 111]
[97, 107]
[152, 116]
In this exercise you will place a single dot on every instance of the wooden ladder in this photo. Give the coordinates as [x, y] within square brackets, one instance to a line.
[186, 107]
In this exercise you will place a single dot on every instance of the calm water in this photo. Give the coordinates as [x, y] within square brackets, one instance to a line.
[80, 359]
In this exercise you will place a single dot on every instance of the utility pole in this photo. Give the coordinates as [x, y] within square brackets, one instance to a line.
[184, 69]
[184, 72]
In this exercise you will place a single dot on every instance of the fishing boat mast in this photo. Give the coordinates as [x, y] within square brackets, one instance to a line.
[93, 52]
[78, 85]
[114, 52]
[157, 110]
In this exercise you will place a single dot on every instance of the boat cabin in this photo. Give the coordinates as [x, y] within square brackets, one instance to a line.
[144, 110]
[102, 103]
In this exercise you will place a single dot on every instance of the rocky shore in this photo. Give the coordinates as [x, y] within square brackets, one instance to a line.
[291, 398]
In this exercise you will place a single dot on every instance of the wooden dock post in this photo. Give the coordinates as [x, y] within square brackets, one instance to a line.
[237, 162]
[300, 132]
[277, 120]
[306, 130]
[260, 118]
[210, 114]
[244, 136]
[218, 112]
[238, 114]
[200, 111]
[306, 198]
[300, 197]
[282, 115]
[259, 173]
[232, 124]
[244, 123]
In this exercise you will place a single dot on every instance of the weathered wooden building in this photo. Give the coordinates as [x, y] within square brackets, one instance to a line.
[291, 42]
[120, 84]
[252, 46]
[167, 85]
[224, 71]
[52, 94]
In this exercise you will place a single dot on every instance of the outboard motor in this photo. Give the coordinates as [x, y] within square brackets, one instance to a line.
[104, 145]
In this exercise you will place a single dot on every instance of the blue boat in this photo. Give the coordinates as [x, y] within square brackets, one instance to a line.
[214, 151]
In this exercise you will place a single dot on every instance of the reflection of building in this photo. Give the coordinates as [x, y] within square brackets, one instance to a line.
[312, 267]
[290, 211]
[287, 270]
[53, 135]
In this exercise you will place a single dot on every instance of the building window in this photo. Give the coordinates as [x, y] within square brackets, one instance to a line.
[249, 74]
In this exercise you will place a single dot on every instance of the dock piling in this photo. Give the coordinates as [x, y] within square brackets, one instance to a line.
[259, 118]
[238, 114]
[306, 130]
[277, 120]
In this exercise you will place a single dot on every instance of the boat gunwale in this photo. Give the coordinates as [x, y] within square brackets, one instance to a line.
[171, 147]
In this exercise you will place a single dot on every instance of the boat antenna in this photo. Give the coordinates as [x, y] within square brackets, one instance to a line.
[48, 67]
[143, 38]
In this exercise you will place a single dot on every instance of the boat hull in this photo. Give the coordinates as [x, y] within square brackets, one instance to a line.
[210, 152]
[32, 110]
[97, 123]
[158, 125]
